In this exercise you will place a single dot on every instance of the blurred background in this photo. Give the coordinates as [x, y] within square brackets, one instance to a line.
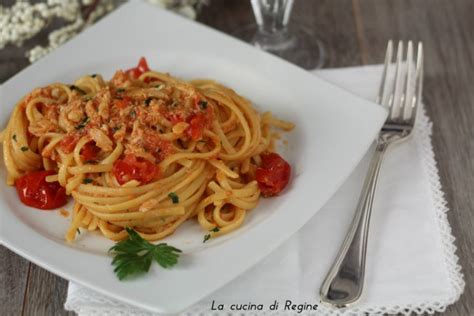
[351, 32]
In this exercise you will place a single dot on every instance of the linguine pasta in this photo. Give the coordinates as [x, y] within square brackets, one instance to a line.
[145, 150]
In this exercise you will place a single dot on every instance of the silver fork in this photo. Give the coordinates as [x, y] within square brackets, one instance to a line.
[344, 282]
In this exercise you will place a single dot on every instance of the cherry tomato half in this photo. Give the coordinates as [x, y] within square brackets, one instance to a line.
[273, 175]
[34, 191]
[135, 168]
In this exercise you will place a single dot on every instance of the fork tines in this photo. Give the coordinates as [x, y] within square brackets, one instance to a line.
[403, 95]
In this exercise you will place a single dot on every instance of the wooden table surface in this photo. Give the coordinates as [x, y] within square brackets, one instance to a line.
[355, 32]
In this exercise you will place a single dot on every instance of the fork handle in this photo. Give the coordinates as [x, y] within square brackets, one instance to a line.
[345, 280]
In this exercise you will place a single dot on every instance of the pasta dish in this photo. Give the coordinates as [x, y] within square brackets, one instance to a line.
[144, 150]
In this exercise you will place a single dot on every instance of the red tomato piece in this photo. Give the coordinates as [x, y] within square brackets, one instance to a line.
[135, 168]
[143, 65]
[174, 118]
[140, 69]
[89, 152]
[34, 191]
[122, 103]
[273, 175]
[68, 143]
[196, 126]
[133, 73]
[158, 147]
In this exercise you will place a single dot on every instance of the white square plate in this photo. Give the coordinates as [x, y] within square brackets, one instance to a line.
[333, 130]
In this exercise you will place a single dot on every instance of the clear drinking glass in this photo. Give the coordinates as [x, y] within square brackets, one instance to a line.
[273, 34]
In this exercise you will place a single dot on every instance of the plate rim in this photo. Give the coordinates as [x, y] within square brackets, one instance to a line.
[16, 247]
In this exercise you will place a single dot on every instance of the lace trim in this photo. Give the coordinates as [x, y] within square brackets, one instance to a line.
[98, 304]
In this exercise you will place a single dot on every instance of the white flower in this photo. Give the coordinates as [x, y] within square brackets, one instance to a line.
[187, 11]
[24, 20]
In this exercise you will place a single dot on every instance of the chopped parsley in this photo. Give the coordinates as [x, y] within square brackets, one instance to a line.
[116, 128]
[148, 101]
[87, 180]
[14, 137]
[78, 231]
[120, 90]
[174, 197]
[76, 88]
[202, 104]
[94, 75]
[24, 148]
[208, 236]
[133, 114]
[158, 86]
[83, 123]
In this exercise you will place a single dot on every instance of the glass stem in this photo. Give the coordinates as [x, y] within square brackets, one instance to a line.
[272, 16]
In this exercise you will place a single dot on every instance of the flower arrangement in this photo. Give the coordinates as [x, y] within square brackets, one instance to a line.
[23, 20]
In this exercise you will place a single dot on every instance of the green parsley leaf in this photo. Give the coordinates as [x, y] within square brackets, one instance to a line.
[14, 137]
[76, 88]
[206, 238]
[120, 90]
[148, 101]
[158, 86]
[78, 231]
[133, 114]
[87, 180]
[174, 197]
[135, 255]
[83, 123]
[94, 75]
[24, 148]
[202, 104]
[215, 229]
